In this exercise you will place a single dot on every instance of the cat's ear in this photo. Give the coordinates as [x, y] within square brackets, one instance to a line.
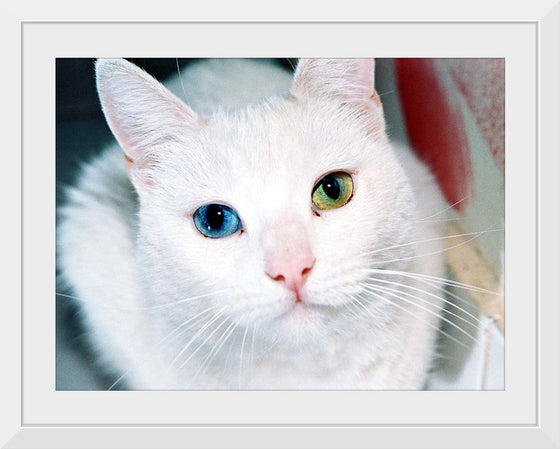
[349, 82]
[142, 114]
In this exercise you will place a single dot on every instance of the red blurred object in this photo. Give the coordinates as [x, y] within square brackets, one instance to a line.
[435, 125]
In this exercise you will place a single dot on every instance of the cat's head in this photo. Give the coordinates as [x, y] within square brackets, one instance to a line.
[270, 216]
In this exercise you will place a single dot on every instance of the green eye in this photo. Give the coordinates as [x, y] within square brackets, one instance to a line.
[332, 191]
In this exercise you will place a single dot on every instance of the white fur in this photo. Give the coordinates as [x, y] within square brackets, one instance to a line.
[133, 257]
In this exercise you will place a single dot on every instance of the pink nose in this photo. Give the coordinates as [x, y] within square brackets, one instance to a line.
[291, 271]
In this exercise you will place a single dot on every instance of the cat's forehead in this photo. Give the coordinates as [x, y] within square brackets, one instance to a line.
[283, 136]
[270, 155]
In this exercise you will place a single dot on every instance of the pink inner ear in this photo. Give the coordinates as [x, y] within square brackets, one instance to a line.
[349, 80]
[365, 69]
[116, 130]
[364, 75]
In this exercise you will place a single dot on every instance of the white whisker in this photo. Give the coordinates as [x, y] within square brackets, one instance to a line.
[215, 317]
[476, 234]
[377, 289]
[181, 81]
[369, 312]
[434, 239]
[347, 307]
[138, 309]
[440, 220]
[410, 295]
[184, 323]
[201, 345]
[442, 280]
[241, 354]
[409, 312]
[114, 384]
[215, 349]
[450, 303]
[446, 209]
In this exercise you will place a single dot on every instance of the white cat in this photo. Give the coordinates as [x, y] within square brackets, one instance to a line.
[276, 245]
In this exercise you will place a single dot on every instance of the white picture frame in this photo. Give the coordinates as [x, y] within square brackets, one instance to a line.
[526, 414]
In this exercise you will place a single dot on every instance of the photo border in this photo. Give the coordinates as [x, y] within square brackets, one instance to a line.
[544, 433]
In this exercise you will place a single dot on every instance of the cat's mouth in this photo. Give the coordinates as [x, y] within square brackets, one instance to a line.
[303, 323]
[304, 307]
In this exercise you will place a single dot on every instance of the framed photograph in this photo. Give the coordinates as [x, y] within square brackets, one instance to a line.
[58, 402]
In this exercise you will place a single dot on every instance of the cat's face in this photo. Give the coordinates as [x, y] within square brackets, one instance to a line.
[270, 217]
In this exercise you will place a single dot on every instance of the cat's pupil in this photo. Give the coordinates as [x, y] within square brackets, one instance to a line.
[215, 216]
[331, 187]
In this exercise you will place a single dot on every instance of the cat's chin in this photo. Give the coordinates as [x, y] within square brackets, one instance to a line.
[301, 323]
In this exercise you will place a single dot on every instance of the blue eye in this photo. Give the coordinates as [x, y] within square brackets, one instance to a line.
[216, 221]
